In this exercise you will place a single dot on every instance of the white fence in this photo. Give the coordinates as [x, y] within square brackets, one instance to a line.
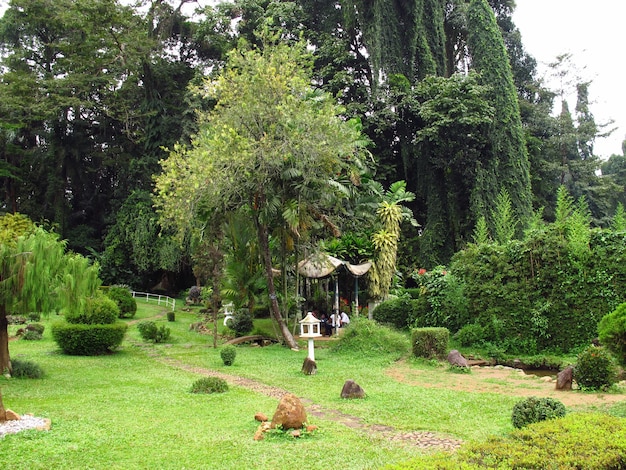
[158, 298]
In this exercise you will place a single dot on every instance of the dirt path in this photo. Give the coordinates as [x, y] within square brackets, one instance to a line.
[502, 380]
[422, 439]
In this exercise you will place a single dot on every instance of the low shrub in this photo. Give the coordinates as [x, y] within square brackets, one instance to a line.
[195, 294]
[471, 334]
[532, 410]
[209, 385]
[98, 310]
[228, 354]
[37, 327]
[88, 340]
[612, 332]
[34, 316]
[24, 369]
[368, 338]
[241, 323]
[395, 312]
[32, 335]
[595, 369]
[171, 316]
[150, 332]
[430, 342]
[592, 441]
[124, 300]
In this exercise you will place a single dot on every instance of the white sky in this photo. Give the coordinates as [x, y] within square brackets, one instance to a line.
[593, 32]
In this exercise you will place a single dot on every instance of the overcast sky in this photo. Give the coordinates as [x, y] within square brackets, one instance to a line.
[593, 32]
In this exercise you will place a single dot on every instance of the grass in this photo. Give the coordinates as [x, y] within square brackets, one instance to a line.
[127, 410]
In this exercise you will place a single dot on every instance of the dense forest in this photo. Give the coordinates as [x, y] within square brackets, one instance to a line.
[94, 94]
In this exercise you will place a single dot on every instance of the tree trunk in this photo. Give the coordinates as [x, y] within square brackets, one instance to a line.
[3, 412]
[5, 359]
[263, 234]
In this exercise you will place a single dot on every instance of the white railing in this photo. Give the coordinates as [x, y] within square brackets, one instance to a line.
[158, 298]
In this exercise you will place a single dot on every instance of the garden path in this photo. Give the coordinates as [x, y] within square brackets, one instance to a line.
[423, 439]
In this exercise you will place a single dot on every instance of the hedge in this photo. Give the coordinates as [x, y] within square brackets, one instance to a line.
[88, 340]
[430, 342]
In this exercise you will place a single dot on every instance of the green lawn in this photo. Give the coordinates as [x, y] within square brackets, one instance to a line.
[131, 410]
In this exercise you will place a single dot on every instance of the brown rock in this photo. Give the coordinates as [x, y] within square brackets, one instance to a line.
[296, 433]
[309, 367]
[564, 379]
[12, 416]
[258, 435]
[352, 390]
[260, 417]
[290, 413]
[311, 428]
[455, 358]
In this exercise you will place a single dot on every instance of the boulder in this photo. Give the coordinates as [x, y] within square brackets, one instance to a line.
[260, 417]
[564, 378]
[290, 413]
[309, 367]
[351, 389]
[12, 416]
[455, 358]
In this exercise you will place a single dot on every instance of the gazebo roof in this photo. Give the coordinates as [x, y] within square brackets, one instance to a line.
[322, 265]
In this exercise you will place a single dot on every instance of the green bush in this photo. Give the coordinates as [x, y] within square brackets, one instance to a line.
[98, 310]
[471, 334]
[595, 369]
[32, 335]
[34, 316]
[124, 300]
[150, 332]
[612, 332]
[228, 354]
[592, 441]
[23, 369]
[532, 410]
[37, 327]
[171, 316]
[395, 312]
[430, 342]
[368, 338]
[209, 385]
[241, 323]
[88, 340]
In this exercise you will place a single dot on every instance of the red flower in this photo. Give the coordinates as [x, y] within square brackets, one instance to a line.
[421, 272]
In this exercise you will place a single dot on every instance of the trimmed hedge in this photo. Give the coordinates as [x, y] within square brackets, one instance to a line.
[88, 340]
[430, 342]
[532, 410]
[592, 441]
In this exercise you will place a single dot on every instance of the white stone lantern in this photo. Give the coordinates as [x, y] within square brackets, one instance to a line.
[310, 329]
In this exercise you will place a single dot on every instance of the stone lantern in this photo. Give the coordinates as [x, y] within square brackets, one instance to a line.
[310, 329]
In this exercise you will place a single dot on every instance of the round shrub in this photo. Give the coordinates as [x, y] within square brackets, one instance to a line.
[595, 369]
[209, 385]
[241, 323]
[124, 300]
[395, 312]
[98, 310]
[23, 369]
[470, 335]
[32, 335]
[34, 316]
[171, 316]
[612, 332]
[37, 327]
[195, 294]
[228, 354]
[150, 332]
[532, 410]
[88, 340]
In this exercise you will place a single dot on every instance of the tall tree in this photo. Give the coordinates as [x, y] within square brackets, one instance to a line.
[505, 165]
[270, 135]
